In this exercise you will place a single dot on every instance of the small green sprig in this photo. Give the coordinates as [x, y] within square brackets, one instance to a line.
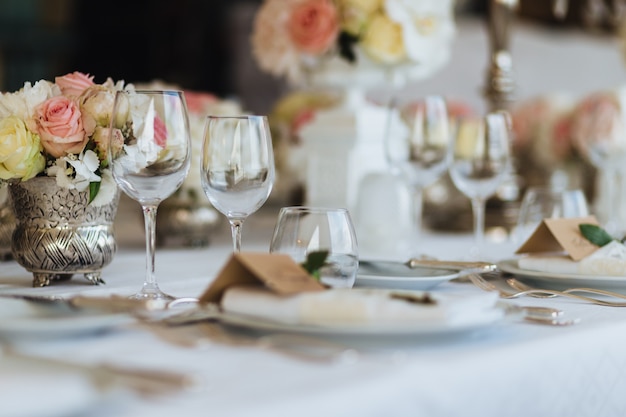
[314, 262]
[596, 235]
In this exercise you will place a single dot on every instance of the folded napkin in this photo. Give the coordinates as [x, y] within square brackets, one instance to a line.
[359, 306]
[609, 260]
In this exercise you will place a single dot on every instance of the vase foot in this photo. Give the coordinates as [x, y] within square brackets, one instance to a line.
[94, 278]
[43, 279]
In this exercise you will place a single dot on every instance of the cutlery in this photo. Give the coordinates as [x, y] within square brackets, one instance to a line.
[148, 382]
[294, 346]
[481, 283]
[462, 266]
[520, 286]
[109, 304]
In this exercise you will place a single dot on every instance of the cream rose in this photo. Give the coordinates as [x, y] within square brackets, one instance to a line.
[313, 26]
[101, 137]
[383, 40]
[356, 13]
[20, 150]
[73, 85]
[96, 105]
[61, 127]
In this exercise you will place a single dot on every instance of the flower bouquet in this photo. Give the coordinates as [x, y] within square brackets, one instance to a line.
[53, 155]
[59, 129]
[338, 41]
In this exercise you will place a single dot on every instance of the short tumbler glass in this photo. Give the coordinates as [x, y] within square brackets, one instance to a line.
[302, 230]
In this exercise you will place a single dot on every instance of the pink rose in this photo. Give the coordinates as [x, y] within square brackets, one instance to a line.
[73, 85]
[61, 127]
[197, 102]
[313, 26]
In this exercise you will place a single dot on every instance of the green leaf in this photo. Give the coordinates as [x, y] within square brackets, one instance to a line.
[346, 43]
[315, 261]
[94, 187]
[595, 234]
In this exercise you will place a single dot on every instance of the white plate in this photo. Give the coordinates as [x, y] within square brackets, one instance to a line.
[396, 275]
[390, 329]
[562, 281]
[23, 319]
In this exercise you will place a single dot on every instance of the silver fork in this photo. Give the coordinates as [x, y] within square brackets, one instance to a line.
[480, 282]
[520, 286]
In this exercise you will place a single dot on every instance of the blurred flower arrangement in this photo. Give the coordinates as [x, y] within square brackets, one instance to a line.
[294, 37]
[288, 116]
[543, 145]
[60, 129]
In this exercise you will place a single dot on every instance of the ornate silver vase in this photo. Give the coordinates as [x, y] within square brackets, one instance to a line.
[185, 223]
[7, 224]
[58, 233]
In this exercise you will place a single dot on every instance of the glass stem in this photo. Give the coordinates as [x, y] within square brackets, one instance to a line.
[149, 216]
[235, 228]
[478, 208]
[418, 208]
[614, 223]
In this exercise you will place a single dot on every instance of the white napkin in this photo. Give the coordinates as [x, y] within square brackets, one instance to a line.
[609, 260]
[357, 306]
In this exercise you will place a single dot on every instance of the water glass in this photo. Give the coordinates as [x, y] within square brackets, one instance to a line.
[545, 202]
[302, 230]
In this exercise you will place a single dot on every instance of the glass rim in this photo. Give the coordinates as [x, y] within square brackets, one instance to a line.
[237, 116]
[148, 91]
[313, 209]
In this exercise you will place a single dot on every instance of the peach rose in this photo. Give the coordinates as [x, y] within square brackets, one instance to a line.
[313, 26]
[197, 102]
[61, 127]
[73, 85]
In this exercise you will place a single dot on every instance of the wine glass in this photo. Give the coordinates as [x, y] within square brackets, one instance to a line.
[540, 203]
[480, 162]
[416, 147]
[299, 231]
[237, 170]
[149, 155]
[600, 135]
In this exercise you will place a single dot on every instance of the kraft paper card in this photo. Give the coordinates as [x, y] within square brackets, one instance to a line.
[278, 272]
[561, 234]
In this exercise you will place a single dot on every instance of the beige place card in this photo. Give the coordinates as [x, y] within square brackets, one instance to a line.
[561, 234]
[278, 272]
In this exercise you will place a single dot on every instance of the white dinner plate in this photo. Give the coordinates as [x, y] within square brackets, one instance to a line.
[551, 280]
[24, 319]
[396, 275]
[499, 313]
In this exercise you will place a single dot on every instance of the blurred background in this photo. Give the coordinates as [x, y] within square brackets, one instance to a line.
[204, 45]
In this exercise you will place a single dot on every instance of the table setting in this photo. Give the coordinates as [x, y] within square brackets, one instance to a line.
[297, 309]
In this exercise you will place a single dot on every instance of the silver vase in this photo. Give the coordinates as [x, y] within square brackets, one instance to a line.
[58, 233]
[7, 224]
[186, 223]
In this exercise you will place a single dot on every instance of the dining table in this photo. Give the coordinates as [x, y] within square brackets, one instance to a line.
[512, 367]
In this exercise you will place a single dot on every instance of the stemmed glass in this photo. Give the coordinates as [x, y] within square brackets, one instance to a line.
[237, 170]
[149, 155]
[416, 147]
[603, 145]
[480, 162]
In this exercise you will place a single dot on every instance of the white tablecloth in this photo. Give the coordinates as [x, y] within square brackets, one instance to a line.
[515, 369]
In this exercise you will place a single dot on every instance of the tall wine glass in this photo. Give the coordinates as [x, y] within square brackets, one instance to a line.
[149, 154]
[480, 160]
[237, 167]
[416, 147]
